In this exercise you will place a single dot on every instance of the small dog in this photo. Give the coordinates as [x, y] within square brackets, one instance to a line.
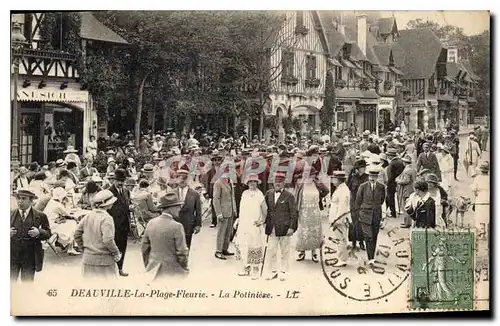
[460, 205]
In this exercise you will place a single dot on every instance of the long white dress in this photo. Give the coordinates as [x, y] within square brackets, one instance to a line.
[309, 231]
[249, 238]
[66, 230]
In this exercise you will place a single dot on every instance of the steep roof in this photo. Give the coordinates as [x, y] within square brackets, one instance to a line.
[383, 51]
[421, 48]
[92, 29]
[335, 39]
[386, 25]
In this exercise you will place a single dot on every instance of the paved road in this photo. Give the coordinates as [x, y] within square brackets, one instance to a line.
[304, 275]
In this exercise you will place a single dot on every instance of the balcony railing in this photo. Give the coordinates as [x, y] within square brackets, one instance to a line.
[44, 54]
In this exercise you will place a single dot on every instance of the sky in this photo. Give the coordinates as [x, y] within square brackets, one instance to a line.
[472, 22]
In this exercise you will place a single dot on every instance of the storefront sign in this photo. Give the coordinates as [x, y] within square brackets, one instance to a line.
[385, 104]
[414, 105]
[52, 95]
[344, 108]
[368, 102]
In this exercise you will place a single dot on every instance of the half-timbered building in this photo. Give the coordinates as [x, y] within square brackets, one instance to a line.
[299, 86]
[45, 80]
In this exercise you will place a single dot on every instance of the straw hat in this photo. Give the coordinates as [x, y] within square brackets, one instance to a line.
[253, 177]
[25, 193]
[104, 198]
[70, 149]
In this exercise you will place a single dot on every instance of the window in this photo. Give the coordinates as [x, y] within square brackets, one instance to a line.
[300, 18]
[287, 64]
[387, 76]
[310, 67]
[338, 72]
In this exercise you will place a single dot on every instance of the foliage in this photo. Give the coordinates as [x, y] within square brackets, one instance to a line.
[327, 112]
[271, 122]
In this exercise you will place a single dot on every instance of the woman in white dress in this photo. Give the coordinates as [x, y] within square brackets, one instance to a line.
[37, 185]
[248, 239]
[57, 215]
[439, 195]
[92, 146]
[481, 201]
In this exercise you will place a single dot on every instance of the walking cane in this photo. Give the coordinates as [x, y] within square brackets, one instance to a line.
[264, 257]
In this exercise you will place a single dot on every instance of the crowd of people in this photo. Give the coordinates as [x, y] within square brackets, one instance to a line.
[257, 195]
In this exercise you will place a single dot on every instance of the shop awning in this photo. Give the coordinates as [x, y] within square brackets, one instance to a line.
[381, 69]
[357, 74]
[396, 71]
[334, 62]
[348, 64]
[358, 66]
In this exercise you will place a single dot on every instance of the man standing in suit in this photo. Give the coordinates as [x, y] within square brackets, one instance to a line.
[28, 227]
[87, 171]
[394, 169]
[120, 211]
[164, 249]
[369, 200]
[225, 209]
[281, 223]
[190, 214]
[428, 160]
[209, 185]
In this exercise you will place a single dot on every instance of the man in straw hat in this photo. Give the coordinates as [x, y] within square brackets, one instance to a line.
[369, 200]
[72, 155]
[120, 211]
[164, 249]
[96, 234]
[339, 215]
[281, 223]
[28, 227]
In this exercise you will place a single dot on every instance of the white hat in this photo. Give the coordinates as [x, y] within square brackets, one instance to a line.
[366, 154]
[374, 159]
[59, 193]
[110, 159]
[130, 160]
[70, 149]
[104, 198]
[440, 146]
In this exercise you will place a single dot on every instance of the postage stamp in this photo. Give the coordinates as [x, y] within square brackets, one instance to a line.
[442, 269]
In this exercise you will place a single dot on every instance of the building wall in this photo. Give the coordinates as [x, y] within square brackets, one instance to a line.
[298, 95]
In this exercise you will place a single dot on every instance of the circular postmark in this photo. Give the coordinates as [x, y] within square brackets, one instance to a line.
[358, 280]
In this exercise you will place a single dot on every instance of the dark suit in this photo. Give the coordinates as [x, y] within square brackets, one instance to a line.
[372, 147]
[86, 172]
[429, 161]
[281, 216]
[121, 217]
[26, 253]
[353, 182]
[190, 214]
[209, 186]
[369, 203]
[394, 169]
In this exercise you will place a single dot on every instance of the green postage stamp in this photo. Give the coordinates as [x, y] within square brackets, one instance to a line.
[442, 270]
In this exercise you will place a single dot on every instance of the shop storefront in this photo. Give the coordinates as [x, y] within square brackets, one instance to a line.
[344, 114]
[366, 115]
[50, 119]
[385, 113]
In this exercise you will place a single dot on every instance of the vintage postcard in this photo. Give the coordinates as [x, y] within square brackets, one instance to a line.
[289, 163]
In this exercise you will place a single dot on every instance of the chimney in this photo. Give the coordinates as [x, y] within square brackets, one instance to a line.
[362, 33]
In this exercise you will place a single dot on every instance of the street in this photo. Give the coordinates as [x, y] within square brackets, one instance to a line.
[304, 276]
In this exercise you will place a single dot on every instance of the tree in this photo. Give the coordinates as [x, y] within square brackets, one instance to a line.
[327, 113]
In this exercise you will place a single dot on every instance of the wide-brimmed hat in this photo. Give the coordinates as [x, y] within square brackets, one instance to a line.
[110, 160]
[104, 198]
[131, 160]
[25, 193]
[148, 168]
[110, 152]
[391, 152]
[360, 164]
[253, 177]
[119, 175]
[484, 166]
[70, 149]
[407, 159]
[432, 178]
[375, 159]
[383, 157]
[346, 143]
[60, 162]
[374, 170]
[170, 199]
[339, 174]
[59, 193]
[23, 170]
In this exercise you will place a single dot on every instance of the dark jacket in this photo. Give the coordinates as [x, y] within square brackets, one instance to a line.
[190, 214]
[429, 161]
[281, 216]
[369, 203]
[120, 210]
[394, 169]
[372, 147]
[23, 248]
[424, 214]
